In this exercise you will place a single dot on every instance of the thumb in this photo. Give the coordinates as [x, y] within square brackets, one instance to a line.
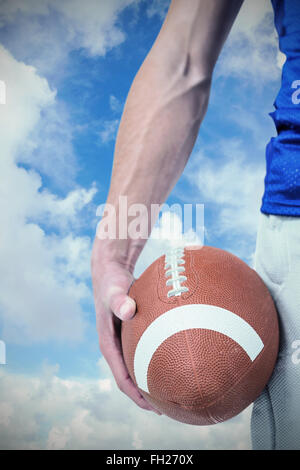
[123, 306]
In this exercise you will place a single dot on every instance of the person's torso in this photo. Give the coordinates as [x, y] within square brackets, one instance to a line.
[282, 182]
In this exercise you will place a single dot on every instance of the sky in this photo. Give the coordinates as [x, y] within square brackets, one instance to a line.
[68, 66]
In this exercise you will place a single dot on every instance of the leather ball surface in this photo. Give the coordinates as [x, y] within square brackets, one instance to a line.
[204, 340]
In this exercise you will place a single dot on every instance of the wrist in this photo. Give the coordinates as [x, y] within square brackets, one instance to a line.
[123, 231]
[124, 252]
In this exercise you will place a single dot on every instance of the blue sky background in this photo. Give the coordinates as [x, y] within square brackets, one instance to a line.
[68, 66]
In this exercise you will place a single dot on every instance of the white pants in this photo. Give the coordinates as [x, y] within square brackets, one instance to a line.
[275, 422]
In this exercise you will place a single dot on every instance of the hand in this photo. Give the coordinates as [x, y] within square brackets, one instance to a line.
[111, 282]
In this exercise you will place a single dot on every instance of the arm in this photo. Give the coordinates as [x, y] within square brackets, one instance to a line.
[161, 119]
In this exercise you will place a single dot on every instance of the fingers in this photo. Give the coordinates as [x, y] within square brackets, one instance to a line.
[113, 305]
[114, 358]
[120, 304]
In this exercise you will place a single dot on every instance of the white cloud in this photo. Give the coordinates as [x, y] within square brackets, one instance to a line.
[115, 105]
[26, 95]
[49, 147]
[251, 14]
[109, 130]
[251, 50]
[32, 115]
[92, 24]
[58, 438]
[64, 212]
[137, 442]
[9, 9]
[158, 7]
[233, 186]
[44, 274]
[256, 122]
[50, 412]
[6, 412]
[71, 24]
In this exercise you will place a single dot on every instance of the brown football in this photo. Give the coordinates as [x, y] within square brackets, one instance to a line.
[204, 340]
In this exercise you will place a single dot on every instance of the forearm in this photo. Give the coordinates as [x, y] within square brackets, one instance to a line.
[164, 109]
[157, 132]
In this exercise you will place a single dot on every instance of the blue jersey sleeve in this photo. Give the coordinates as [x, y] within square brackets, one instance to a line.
[282, 181]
